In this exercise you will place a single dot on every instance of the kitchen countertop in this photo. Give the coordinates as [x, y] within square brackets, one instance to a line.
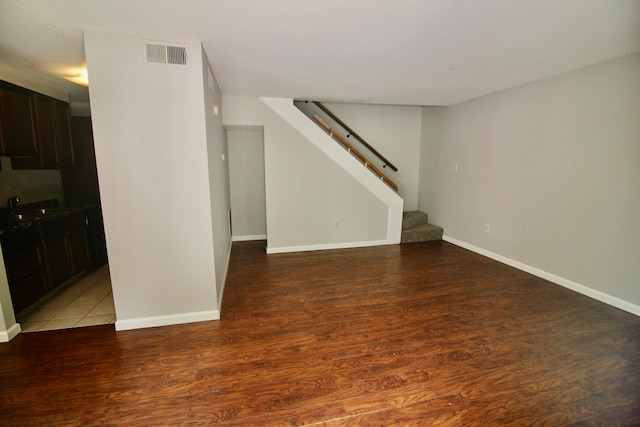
[28, 223]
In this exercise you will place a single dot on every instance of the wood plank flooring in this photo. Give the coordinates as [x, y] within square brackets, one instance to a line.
[416, 334]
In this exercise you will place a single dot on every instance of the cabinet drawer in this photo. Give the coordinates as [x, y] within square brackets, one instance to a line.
[23, 262]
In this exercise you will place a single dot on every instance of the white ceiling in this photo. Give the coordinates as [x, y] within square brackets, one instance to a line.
[414, 52]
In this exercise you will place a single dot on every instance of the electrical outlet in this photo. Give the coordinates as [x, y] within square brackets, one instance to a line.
[455, 168]
[337, 224]
[486, 229]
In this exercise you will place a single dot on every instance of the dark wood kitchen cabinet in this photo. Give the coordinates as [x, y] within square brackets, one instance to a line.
[63, 134]
[23, 262]
[45, 256]
[46, 132]
[78, 249]
[66, 252]
[26, 275]
[80, 183]
[28, 291]
[53, 136]
[17, 121]
[57, 259]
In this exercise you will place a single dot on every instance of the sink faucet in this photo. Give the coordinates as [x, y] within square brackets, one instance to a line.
[12, 202]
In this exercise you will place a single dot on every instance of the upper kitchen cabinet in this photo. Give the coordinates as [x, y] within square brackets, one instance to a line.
[80, 183]
[17, 121]
[46, 132]
[53, 136]
[63, 133]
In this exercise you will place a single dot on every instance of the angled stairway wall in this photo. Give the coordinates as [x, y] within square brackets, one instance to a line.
[317, 195]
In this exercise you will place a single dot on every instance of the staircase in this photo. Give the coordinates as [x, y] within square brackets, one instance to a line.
[416, 229]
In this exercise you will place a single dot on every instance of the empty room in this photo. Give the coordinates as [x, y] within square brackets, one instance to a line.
[414, 212]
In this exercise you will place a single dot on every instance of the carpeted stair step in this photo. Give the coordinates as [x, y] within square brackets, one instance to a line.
[421, 233]
[413, 219]
[415, 228]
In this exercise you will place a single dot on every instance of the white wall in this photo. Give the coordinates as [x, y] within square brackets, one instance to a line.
[8, 326]
[218, 165]
[151, 139]
[307, 193]
[553, 167]
[246, 176]
[393, 130]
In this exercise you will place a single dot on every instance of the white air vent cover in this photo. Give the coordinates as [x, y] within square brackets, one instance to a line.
[165, 53]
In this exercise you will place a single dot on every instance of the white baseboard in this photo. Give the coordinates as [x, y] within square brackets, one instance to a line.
[326, 246]
[581, 289]
[9, 334]
[249, 238]
[171, 319]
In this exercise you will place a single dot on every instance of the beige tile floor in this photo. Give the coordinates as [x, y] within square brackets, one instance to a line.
[87, 302]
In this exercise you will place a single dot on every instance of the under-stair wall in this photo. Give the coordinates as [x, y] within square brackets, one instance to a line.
[317, 195]
[393, 130]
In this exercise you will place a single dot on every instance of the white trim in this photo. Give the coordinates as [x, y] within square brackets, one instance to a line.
[9, 334]
[171, 319]
[326, 246]
[576, 287]
[249, 237]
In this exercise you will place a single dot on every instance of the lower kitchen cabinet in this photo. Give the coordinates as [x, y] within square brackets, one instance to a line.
[78, 249]
[26, 274]
[24, 261]
[57, 259]
[66, 254]
[37, 266]
[28, 290]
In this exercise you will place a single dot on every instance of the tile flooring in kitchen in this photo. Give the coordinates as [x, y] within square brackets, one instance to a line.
[87, 302]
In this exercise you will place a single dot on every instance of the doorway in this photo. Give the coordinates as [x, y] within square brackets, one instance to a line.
[247, 182]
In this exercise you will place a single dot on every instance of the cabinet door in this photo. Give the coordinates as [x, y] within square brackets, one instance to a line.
[27, 291]
[17, 136]
[46, 132]
[80, 183]
[23, 262]
[78, 249]
[53, 136]
[57, 259]
[63, 134]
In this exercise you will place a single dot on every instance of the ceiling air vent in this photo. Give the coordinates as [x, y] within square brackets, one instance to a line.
[165, 53]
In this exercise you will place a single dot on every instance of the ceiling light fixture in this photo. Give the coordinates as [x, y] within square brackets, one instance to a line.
[80, 79]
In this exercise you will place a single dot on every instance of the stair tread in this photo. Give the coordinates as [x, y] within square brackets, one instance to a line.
[423, 227]
[412, 219]
[422, 233]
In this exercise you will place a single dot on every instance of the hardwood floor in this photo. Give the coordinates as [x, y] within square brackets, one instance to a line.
[422, 333]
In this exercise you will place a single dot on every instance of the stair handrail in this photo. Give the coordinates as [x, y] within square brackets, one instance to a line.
[355, 152]
[355, 135]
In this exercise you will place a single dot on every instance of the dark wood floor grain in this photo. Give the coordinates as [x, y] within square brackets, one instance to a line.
[415, 334]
